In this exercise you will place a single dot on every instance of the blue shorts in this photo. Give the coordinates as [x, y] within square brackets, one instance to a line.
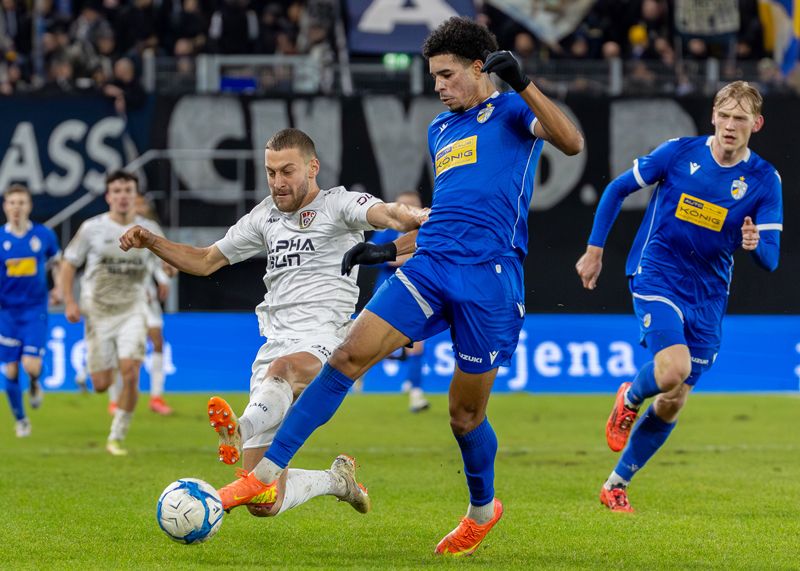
[666, 320]
[483, 305]
[23, 331]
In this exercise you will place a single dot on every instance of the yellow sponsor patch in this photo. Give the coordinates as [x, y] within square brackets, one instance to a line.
[20, 267]
[461, 152]
[700, 212]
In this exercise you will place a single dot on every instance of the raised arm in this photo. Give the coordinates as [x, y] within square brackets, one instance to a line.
[401, 217]
[188, 259]
[552, 124]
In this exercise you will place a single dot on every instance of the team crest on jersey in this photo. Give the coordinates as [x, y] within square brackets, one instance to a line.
[738, 188]
[306, 218]
[35, 244]
[6, 245]
[647, 320]
[485, 113]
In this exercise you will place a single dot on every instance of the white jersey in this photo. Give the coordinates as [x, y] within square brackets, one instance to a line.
[113, 281]
[306, 292]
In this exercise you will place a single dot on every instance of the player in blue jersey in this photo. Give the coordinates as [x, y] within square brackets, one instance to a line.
[410, 358]
[466, 274]
[28, 249]
[712, 195]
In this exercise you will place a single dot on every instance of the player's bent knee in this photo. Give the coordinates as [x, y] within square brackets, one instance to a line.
[282, 368]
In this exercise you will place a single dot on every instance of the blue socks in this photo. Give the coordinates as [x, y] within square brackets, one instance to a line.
[478, 449]
[314, 408]
[644, 385]
[414, 370]
[647, 437]
[14, 393]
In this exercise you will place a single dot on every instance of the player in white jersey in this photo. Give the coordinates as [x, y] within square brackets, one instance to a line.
[112, 298]
[306, 310]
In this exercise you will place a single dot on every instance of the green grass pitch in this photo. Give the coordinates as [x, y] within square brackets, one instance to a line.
[724, 493]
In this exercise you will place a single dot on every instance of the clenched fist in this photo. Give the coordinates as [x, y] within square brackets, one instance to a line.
[750, 234]
[136, 237]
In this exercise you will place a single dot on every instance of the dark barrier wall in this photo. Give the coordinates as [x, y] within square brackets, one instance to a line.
[379, 143]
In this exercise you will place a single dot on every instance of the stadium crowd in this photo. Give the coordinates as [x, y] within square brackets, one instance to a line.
[60, 46]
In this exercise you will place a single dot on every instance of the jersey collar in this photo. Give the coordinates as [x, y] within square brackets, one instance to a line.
[711, 152]
[28, 226]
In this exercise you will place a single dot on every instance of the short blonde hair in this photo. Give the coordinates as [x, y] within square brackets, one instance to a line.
[743, 93]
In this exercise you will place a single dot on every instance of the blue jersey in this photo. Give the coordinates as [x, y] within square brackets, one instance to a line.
[24, 258]
[484, 163]
[693, 223]
[384, 270]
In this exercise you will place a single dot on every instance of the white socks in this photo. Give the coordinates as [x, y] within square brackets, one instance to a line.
[120, 424]
[116, 386]
[481, 514]
[303, 485]
[267, 471]
[157, 375]
[615, 481]
[269, 403]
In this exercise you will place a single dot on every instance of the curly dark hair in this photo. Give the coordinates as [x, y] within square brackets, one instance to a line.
[460, 37]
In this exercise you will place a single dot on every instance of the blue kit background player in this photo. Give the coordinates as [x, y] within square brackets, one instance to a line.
[466, 274]
[409, 358]
[712, 195]
[26, 251]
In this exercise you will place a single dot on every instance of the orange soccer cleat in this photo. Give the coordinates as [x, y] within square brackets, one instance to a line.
[248, 489]
[223, 420]
[615, 499]
[620, 422]
[466, 538]
[159, 406]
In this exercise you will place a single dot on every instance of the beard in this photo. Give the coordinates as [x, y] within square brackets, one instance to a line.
[297, 198]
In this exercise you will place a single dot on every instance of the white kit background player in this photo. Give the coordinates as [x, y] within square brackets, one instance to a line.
[112, 298]
[306, 310]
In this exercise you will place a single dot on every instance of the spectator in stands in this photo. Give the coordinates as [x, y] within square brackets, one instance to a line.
[15, 27]
[233, 29]
[61, 76]
[85, 26]
[191, 25]
[136, 28]
[184, 53]
[11, 80]
[125, 88]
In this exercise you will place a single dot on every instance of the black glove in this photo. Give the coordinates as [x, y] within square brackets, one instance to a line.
[507, 68]
[366, 253]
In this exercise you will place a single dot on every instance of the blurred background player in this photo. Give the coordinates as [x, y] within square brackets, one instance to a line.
[305, 312]
[158, 285]
[112, 299]
[713, 195]
[466, 275]
[409, 358]
[28, 250]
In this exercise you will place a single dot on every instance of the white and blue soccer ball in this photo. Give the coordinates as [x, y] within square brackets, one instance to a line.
[189, 511]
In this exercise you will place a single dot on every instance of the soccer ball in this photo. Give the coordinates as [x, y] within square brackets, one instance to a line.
[189, 511]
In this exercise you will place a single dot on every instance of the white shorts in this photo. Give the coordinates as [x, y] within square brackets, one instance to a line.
[155, 316]
[321, 346]
[114, 337]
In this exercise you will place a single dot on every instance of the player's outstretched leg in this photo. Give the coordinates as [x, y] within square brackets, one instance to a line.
[225, 423]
